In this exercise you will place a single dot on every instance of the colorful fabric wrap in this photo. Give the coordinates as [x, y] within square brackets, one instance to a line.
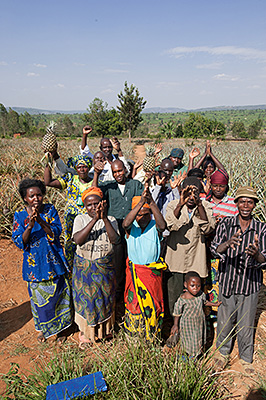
[220, 177]
[144, 307]
[90, 192]
[51, 305]
[94, 288]
[77, 160]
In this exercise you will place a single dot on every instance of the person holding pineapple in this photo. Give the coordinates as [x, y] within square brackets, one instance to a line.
[74, 185]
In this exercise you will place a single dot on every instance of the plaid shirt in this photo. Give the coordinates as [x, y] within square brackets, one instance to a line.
[239, 273]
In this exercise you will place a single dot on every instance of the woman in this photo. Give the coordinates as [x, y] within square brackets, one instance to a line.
[36, 231]
[144, 307]
[93, 270]
[74, 185]
[223, 206]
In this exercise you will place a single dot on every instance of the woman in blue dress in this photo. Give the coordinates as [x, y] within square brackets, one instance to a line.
[36, 231]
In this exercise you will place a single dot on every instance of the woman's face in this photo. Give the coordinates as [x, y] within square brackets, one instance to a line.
[218, 190]
[143, 217]
[91, 203]
[34, 197]
[209, 169]
[82, 171]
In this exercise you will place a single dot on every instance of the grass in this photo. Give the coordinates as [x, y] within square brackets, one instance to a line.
[131, 371]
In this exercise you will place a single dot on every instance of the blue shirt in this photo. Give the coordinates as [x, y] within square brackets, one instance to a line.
[143, 248]
[43, 256]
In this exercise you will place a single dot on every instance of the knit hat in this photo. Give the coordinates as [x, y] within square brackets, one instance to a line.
[177, 153]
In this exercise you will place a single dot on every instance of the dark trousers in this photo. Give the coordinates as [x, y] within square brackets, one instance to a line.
[237, 311]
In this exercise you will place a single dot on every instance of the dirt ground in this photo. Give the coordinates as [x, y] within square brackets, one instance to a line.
[18, 338]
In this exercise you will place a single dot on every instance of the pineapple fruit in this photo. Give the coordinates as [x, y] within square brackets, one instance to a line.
[149, 160]
[49, 143]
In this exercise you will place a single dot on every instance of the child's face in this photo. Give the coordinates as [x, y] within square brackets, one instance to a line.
[193, 285]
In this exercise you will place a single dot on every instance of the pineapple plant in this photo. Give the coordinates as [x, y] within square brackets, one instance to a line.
[49, 143]
[149, 160]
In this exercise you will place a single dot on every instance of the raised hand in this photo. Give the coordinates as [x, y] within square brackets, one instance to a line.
[160, 181]
[158, 148]
[208, 148]
[194, 153]
[86, 130]
[235, 240]
[99, 166]
[253, 248]
[178, 179]
[116, 144]
[103, 209]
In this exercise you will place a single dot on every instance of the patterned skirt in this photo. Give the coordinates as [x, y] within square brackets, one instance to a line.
[51, 305]
[93, 290]
[211, 287]
[144, 307]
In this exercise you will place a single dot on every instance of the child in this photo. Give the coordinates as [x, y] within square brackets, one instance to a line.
[189, 307]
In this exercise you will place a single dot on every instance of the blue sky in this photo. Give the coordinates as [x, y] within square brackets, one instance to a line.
[188, 54]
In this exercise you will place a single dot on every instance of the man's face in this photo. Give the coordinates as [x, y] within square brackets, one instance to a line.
[99, 156]
[176, 161]
[245, 207]
[143, 217]
[106, 147]
[119, 172]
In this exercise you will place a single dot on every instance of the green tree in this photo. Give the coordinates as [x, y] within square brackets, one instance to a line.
[131, 105]
[3, 120]
[26, 122]
[238, 129]
[255, 128]
[13, 121]
[97, 117]
[168, 129]
[196, 126]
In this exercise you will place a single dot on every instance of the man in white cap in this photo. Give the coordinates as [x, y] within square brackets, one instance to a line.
[240, 243]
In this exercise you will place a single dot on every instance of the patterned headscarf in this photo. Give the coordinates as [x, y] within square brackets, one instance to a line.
[77, 160]
[91, 191]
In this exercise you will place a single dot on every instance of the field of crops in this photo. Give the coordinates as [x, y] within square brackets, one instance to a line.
[245, 162]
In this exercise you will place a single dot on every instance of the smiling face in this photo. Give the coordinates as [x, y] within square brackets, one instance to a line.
[106, 147]
[98, 156]
[91, 203]
[209, 169]
[193, 285]
[176, 161]
[143, 217]
[34, 197]
[119, 172]
[245, 207]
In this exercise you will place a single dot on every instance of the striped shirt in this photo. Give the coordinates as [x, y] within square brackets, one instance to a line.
[239, 273]
[226, 207]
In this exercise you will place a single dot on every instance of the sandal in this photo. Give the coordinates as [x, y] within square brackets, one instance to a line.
[41, 338]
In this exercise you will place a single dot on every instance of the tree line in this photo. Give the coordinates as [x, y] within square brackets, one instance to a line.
[127, 118]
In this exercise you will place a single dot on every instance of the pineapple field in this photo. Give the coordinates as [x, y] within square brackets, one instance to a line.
[245, 163]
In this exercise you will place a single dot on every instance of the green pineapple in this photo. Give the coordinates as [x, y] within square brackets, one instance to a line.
[49, 143]
[149, 160]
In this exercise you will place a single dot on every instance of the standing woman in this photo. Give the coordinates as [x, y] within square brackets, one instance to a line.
[36, 231]
[144, 308]
[93, 272]
[74, 186]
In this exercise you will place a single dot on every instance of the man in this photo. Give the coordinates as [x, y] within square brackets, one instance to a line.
[176, 156]
[119, 194]
[240, 243]
[188, 219]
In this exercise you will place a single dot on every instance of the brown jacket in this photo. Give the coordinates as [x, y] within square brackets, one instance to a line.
[186, 249]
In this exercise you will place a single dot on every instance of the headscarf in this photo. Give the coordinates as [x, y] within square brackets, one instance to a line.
[77, 160]
[136, 200]
[177, 153]
[91, 191]
[220, 177]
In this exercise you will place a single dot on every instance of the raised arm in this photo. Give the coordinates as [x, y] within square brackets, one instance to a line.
[111, 232]
[49, 181]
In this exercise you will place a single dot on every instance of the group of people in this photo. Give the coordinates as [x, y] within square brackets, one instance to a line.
[132, 249]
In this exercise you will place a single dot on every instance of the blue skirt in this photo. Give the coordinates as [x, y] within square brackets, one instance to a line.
[51, 305]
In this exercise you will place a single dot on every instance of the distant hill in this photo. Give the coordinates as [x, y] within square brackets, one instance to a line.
[152, 110]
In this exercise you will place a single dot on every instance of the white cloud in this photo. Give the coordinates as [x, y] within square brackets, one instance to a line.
[205, 93]
[243, 52]
[40, 65]
[3, 63]
[79, 64]
[225, 77]
[60, 85]
[214, 65]
[32, 74]
[254, 87]
[165, 84]
[106, 91]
